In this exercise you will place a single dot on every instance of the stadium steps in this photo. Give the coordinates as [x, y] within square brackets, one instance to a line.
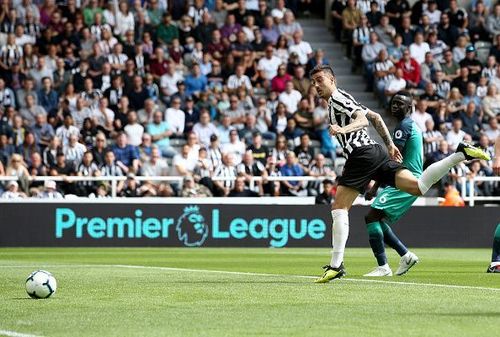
[317, 34]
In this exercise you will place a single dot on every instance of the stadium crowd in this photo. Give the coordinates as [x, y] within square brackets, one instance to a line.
[206, 90]
[447, 56]
[218, 91]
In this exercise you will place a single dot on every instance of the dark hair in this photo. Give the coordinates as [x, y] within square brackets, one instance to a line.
[322, 68]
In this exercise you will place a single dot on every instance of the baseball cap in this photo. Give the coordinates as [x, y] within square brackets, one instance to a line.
[213, 137]
[180, 82]
[12, 183]
[50, 184]
[470, 48]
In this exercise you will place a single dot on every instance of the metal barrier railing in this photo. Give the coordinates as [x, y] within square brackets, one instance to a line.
[469, 195]
[178, 179]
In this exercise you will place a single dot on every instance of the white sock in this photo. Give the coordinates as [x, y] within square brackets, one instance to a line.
[494, 264]
[340, 228]
[436, 171]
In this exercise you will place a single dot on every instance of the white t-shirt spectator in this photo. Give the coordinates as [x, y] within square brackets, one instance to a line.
[186, 163]
[454, 138]
[237, 148]
[303, 49]
[420, 119]
[234, 82]
[134, 133]
[169, 82]
[418, 51]
[269, 66]
[291, 100]
[396, 84]
[176, 119]
[204, 132]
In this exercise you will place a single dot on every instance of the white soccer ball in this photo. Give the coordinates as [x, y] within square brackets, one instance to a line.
[41, 284]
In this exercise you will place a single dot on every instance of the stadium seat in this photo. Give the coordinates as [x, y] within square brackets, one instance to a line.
[482, 50]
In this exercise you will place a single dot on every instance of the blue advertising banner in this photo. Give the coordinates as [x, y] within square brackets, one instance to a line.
[209, 225]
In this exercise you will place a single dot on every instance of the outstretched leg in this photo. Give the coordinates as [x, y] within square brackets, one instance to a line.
[405, 181]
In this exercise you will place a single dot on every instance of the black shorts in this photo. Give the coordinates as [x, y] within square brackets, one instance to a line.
[368, 163]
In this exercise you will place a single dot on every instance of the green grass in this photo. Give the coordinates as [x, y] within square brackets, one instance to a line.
[95, 297]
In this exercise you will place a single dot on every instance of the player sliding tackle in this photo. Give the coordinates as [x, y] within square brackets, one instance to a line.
[367, 160]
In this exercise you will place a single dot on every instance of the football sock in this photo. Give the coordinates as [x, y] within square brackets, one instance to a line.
[495, 256]
[436, 171]
[340, 228]
[376, 238]
[392, 240]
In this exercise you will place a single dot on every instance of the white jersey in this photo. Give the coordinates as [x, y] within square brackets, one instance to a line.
[341, 106]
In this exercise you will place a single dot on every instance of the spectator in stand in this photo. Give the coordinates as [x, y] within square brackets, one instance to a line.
[471, 123]
[204, 129]
[471, 62]
[50, 191]
[226, 174]
[456, 134]
[385, 31]
[396, 9]
[290, 97]
[325, 197]
[492, 130]
[447, 32]
[191, 189]
[235, 147]
[369, 55]
[395, 84]
[160, 132]
[12, 191]
[351, 18]
[278, 83]
[240, 190]
[432, 138]
[420, 115]
[493, 21]
[127, 156]
[249, 168]
[292, 169]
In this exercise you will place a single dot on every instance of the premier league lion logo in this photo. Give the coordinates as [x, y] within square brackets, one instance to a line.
[191, 228]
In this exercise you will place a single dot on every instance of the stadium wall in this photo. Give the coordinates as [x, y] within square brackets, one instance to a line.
[193, 224]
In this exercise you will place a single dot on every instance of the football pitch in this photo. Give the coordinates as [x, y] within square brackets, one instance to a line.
[246, 292]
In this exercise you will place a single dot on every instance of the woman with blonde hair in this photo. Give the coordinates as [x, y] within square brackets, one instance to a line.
[17, 168]
[491, 102]
[455, 104]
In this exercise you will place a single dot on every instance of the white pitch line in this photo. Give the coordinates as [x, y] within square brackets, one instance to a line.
[9, 333]
[434, 285]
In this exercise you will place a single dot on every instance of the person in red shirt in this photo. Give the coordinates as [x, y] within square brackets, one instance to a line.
[279, 81]
[159, 64]
[411, 70]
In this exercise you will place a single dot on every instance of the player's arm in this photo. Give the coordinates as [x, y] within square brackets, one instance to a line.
[496, 163]
[379, 125]
[358, 122]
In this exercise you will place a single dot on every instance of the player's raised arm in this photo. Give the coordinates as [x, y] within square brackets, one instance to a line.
[379, 125]
[358, 122]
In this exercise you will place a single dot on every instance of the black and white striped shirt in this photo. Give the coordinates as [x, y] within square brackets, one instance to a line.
[431, 147]
[384, 66]
[228, 172]
[341, 106]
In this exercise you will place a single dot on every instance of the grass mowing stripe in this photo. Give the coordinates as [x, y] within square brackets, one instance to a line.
[436, 285]
[9, 333]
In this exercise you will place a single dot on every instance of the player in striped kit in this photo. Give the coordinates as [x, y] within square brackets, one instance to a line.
[368, 160]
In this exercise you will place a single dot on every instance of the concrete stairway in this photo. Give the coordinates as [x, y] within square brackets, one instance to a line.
[317, 34]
